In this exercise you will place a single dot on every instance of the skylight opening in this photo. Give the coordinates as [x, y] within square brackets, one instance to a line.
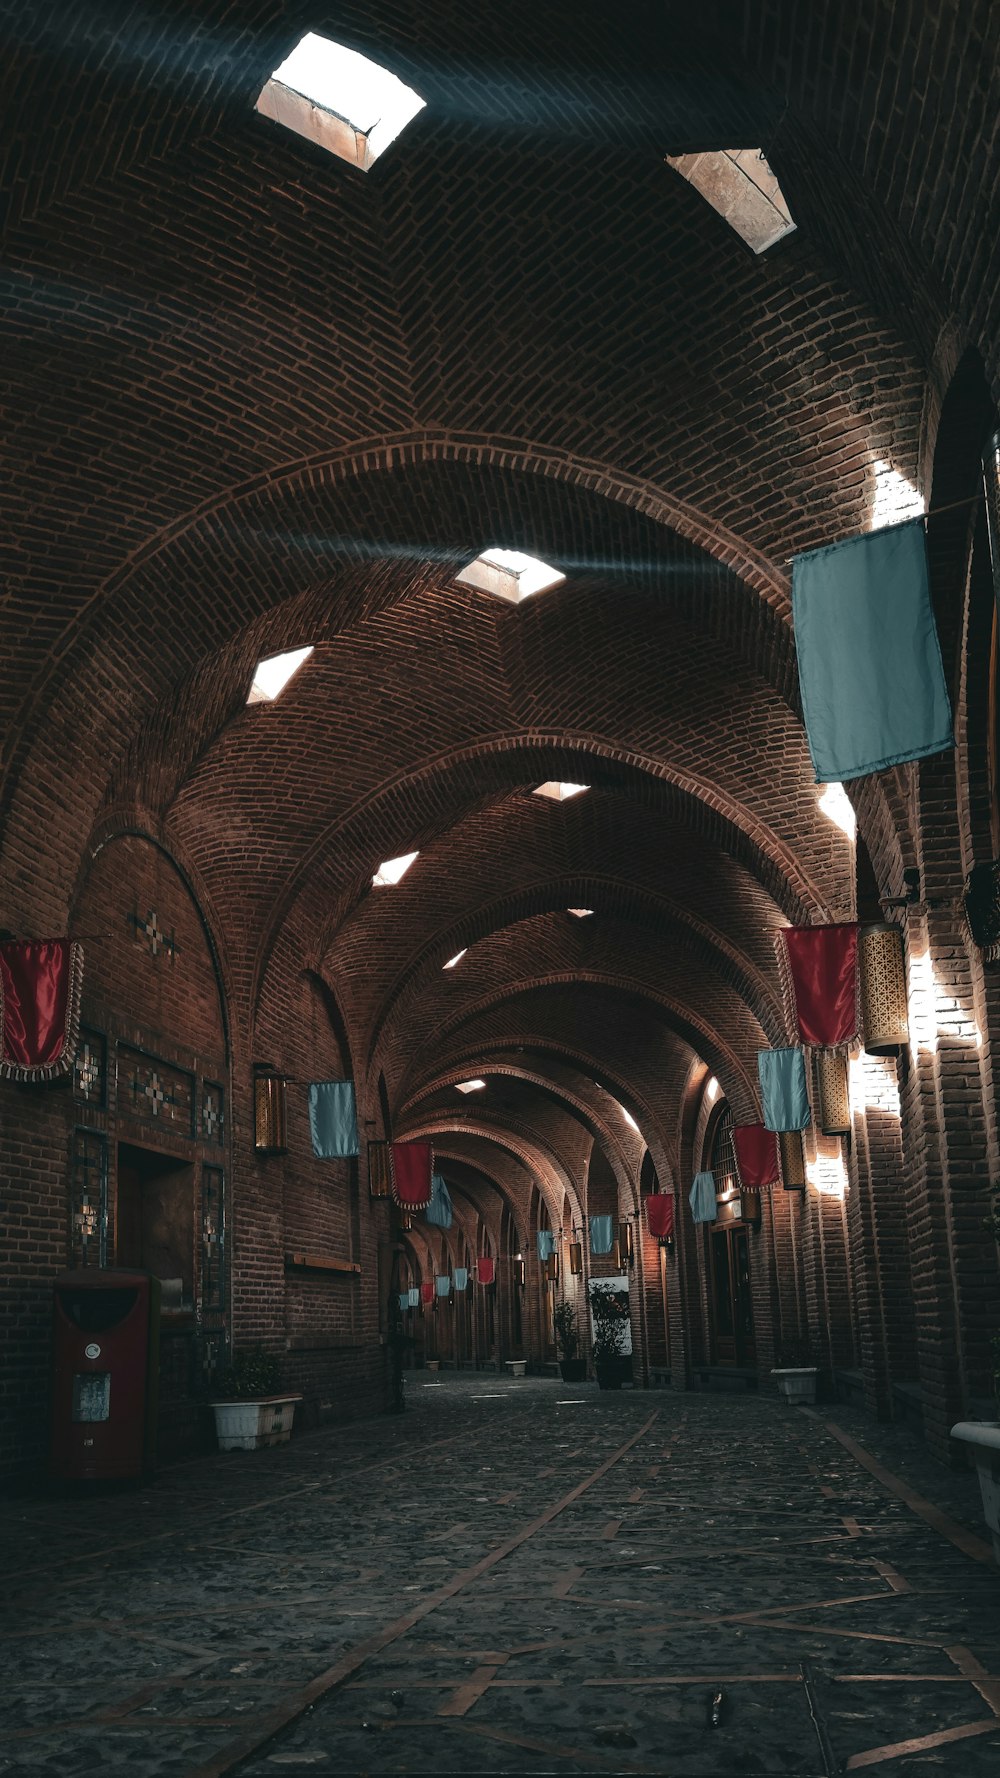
[470, 1086]
[272, 675]
[580, 913]
[629, 1119]
[339, 99]
[509, 574]
[712, 1090]
[392, 869]
[560, 793]
[741, 188]
[456, 959]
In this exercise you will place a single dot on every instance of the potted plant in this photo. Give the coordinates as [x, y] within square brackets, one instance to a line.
[610, 1309]
[982, 1438]
[250, 1407]
[796, 1373]
[571, 1368]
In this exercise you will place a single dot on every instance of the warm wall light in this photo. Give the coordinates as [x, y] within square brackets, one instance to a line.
[269, 1111]
[576, 1258]
[625, 1247]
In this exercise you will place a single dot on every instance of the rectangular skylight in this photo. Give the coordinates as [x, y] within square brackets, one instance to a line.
[560, 793]
[273, 674]
[469, 1086]
[339, 99]
[509, 574]
[739, 184]
[456, 959]
[392, 869]
[581, 913]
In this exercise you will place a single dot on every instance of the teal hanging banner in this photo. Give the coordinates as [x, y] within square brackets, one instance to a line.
[546, 1242]
[333, 1120]
[602, 1235]
[703, 1204]
[461, 1277]
[439, 1210]
[870, 670]
[783, 1089]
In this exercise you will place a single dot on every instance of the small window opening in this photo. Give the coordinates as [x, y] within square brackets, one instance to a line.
[272, 675]
[339, 99]
[559, 793]
[740, 186]
[391, 870]
[509, 574]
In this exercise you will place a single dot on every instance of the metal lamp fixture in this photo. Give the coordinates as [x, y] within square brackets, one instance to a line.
[517, 1270]
[626, 1249]
[269, 1100]
[576, 1258]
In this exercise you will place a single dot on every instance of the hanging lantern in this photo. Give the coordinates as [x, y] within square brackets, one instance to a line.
[379, 1177]
[793, 1161]
[576, 1258]
[551, 1268]
[750, 1209]
[832, 1103]
[625, 1248]
[269, 1111]
[882, 978]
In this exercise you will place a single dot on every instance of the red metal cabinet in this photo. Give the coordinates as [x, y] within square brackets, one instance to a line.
[106, 1332]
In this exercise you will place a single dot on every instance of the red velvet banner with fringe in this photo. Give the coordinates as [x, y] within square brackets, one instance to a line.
[427, 1291]
[823, 961]
[41, 981]
[486, 1271]
[412, 1168]
[756, 1155]
[660, 1215]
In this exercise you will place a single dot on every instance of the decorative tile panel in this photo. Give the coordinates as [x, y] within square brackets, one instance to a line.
[212, 1125]
[148, 931]
[213, 1238]
[90, 1070]
[154, 1092]
[89, 1199]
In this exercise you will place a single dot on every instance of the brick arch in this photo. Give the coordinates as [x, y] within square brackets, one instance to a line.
[529, 1156]
[622, 901]
[673, 1015]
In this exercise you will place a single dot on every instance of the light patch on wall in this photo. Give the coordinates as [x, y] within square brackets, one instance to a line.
[456, 959]
[894, 498]
[838, 808]
[827, 1174]
[712, 1090]
[741, 188]
[560, 793]
[629, 1119]
[272, 675]
[392, 869]
[509, 574]
[920, 1003]
[339, 99]
[872, 1085]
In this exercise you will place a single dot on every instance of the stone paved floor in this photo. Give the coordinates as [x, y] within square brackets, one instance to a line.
[513, 1577]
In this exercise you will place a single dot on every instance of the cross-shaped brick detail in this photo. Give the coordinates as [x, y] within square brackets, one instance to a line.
[152, 931]
[211, 1117]
[154, 1093]
[88, 1071]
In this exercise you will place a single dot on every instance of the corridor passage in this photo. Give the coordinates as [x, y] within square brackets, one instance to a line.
[519, 1577]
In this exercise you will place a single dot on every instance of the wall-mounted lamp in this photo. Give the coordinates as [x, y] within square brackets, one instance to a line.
[626, 1250]
[517, 1270]
[269, 1110]
[576, 1258]
[552, 1268]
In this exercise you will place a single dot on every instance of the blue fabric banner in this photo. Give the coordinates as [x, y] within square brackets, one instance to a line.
[414, 1295]
[442, 1284]
[439, 1210]
[703, 1197]
[333, 1119]
[461, 1277]
[870, 670]
[546, 1244]
[783, 1089]
[602, 1235]
[404, 1300]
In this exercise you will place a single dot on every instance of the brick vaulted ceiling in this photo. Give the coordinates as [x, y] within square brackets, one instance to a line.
[258, 399]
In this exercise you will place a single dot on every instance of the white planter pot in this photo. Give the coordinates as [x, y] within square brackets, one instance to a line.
[246, 1425]
[516, 1366]
[797, 1386]
[983, 1439]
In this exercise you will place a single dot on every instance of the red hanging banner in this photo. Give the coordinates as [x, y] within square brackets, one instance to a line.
[824, 966]
[427, 1291]
[41, 981]
[660, 1215]
[486, 1271]
[756, 1154]
[412, 1167]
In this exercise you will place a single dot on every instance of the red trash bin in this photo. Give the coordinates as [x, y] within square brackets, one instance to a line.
[106, 1339]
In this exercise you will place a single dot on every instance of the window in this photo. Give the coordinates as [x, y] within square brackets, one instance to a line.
[392, 869]
[339, 99]
[470, 1086]
[740, 185]
[456, 959]
[510, 575]
[580, 913]
[560, 793]
[273, 674]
